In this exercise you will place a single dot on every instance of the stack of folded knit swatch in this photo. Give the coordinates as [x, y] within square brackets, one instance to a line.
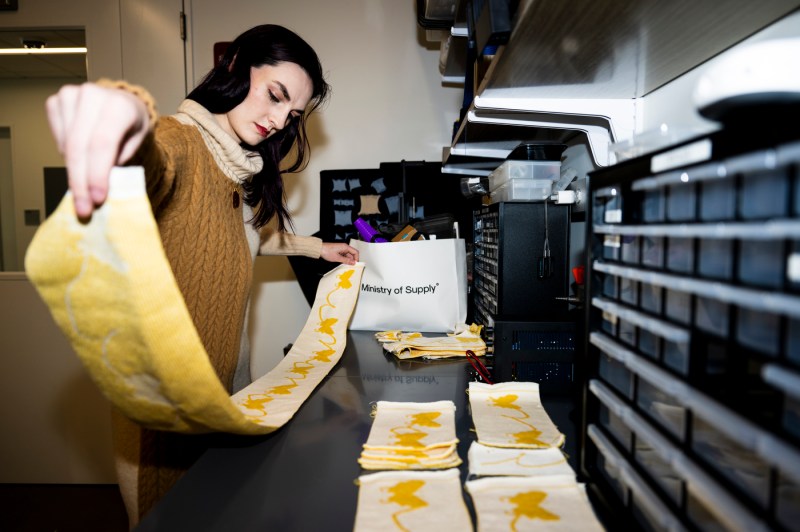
[406, 345]
[412, 436]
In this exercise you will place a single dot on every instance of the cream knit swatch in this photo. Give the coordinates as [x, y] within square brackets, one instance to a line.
[411, 500]
[550, 503]
[498, 461]
[111, 290]
[411, 436]
[510, 414]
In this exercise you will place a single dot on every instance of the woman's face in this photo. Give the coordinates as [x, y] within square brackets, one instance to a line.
[277, 95]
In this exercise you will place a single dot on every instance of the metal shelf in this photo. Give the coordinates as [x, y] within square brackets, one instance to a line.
[581, 72]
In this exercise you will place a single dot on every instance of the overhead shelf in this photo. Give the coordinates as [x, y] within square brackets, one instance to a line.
[589, 49]
[581, 70]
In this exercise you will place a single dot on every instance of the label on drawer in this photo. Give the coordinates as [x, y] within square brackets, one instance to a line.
[683, 156]
[614, 216]
[793, 267]
[610, 318]
[612, 241]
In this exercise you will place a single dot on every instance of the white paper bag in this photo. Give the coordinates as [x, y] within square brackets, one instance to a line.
[416, 286]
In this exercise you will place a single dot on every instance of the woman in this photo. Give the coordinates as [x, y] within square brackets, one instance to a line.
[214, 181]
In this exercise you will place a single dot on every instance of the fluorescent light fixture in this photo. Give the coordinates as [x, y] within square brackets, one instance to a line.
[43, 51]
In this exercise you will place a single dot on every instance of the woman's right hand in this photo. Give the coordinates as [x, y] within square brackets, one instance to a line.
[95, 128]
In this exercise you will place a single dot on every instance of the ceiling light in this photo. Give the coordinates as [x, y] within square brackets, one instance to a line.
[43, 51]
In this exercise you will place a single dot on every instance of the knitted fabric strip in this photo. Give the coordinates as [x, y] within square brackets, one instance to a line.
[111, 290]
[405, 500]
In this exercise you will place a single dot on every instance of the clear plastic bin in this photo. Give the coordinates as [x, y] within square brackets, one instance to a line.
[609, 462]
[628, 291]
[676, 356]
[764, 195]
[792, 342]
[630, 249]
[796, 207]
[522, 190]
[661, 408]
[615, 426]
[659, 470]
[680, 254]
[681, 202]
[616, 375]
[612, 475]
[678, 307]
[607, 206]
[793, 266]
[787, 507]
[544, 171]
[718, 200]
[653, 205]
[610, 286]
[758, 330]
[791, 416]
[715, 258]
[651, 520]
[609, 324]
[627, 332]
[611, 247]
[762, 262]
[653, 251]
[652, 297]
[716, 359]
[740, 466]
[712, 316]
[649, 344]
[701, 516]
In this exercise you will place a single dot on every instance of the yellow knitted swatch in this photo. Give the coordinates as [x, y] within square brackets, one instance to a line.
[411, 500]
[411, 436]
[546, 503]
[111, 290]
[510, 414]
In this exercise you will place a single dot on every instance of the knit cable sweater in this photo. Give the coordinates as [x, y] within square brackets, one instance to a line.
[193, 168]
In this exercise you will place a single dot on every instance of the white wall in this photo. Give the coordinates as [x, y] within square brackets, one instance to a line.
[22, 111]
[387, 104]
[58, 420]
[56, 425]
[151, 53]
[54, 421]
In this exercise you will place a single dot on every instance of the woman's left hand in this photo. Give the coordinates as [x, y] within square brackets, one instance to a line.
[339, 252]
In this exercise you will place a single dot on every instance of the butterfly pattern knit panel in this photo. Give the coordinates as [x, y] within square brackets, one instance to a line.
[548, 503]
[110, 289]
[510, 414]
[411, 500]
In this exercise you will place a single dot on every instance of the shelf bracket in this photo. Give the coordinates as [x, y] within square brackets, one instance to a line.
[602, 120]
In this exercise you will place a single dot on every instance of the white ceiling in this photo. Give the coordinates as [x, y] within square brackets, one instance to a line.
[42, 66]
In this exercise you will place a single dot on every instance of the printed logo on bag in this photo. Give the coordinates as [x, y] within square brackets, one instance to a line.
[407, 289]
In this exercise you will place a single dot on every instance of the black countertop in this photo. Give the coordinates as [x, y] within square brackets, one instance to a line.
[302, 477]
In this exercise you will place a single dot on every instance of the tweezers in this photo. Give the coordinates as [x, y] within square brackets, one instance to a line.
[482, 370]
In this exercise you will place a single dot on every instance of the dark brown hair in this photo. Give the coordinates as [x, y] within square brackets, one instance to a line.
[228, 84]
